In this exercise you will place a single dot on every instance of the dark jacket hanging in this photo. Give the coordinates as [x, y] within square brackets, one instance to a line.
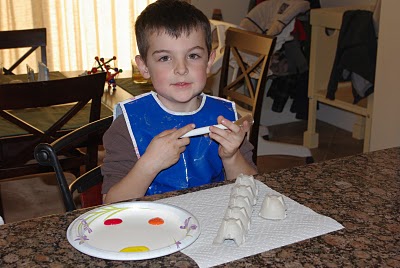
[355, 58]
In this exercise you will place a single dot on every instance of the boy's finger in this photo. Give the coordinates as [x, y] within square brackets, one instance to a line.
[166, 132]
[183, 130]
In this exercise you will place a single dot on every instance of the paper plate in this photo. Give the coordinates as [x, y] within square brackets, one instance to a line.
[133, 231]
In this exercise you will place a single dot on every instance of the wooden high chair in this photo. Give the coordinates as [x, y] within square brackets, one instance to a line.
[248, 93]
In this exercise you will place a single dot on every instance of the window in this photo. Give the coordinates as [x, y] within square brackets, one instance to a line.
[77, 31]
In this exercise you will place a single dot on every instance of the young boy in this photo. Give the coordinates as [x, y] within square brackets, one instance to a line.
[145, 153]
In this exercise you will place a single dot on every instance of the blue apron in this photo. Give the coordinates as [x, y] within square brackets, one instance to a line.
[200, 163]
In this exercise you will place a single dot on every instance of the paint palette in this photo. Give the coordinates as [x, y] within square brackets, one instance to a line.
[133, 231]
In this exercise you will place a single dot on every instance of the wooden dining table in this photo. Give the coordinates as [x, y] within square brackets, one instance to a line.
[361, 192]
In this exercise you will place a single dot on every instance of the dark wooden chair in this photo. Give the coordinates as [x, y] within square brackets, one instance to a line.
[249, 53]
[32, 38]
[89, 184]
[77, 97]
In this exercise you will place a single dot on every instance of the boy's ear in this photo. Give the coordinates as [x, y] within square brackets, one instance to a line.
[144, 71]
[211, 60]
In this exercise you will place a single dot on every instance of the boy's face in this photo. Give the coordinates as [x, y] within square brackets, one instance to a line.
[178, 68]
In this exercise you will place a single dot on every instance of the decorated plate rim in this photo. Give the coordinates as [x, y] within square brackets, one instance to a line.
[79, 230]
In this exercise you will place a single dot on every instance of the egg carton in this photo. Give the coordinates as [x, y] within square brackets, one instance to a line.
[237, 218]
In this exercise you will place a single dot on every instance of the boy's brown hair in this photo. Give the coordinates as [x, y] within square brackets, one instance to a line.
[173, 17]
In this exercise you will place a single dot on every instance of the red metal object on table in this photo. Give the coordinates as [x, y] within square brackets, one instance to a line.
[104, 66]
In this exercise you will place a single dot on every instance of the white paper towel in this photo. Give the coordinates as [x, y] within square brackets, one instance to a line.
[209, 207]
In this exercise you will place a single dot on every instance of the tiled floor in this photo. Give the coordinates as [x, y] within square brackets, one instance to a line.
[23, 199]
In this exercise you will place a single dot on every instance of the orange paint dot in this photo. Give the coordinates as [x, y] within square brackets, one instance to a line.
[156, 221]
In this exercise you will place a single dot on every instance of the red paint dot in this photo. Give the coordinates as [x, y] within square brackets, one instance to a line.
[112, 222]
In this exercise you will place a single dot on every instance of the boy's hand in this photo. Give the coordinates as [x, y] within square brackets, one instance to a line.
[165, 148]
[229, 139]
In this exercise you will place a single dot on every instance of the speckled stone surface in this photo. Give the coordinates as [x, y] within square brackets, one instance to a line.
[361, 192]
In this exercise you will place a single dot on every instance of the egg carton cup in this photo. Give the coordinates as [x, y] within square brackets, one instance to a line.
[273, 207]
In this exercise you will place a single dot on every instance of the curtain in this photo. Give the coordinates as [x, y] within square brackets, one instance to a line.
[77, 31]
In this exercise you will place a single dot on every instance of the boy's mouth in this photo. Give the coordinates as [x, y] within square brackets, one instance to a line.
[181, 84]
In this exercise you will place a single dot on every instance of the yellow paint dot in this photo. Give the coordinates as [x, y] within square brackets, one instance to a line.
[135, 249]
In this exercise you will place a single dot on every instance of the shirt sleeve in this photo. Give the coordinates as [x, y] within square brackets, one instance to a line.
[246, 149]
[120, 154]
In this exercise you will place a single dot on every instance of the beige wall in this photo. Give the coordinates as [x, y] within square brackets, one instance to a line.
[233, 11]
[385, 132]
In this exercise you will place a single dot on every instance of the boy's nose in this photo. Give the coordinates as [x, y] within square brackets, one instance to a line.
[181, 68]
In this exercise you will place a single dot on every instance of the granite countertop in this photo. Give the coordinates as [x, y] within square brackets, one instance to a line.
[361, 192]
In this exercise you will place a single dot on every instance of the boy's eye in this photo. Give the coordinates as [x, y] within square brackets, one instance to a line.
[164, 58]
[194, 56]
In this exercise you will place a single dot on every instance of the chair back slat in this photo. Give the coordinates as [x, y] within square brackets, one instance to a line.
[33, 38]
[52, 92]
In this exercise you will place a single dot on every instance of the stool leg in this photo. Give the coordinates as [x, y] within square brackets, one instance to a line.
[368, 124]
[310, 138]
[359, 128]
